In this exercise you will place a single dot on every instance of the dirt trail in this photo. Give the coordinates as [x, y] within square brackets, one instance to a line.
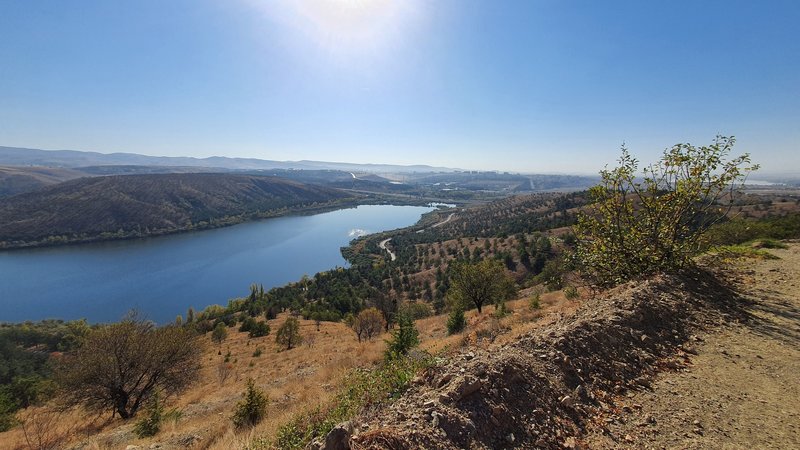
[741, 390]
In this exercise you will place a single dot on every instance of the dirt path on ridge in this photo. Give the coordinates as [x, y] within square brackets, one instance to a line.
[742, 388]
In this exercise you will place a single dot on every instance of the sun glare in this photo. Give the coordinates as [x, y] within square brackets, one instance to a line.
[346, 27]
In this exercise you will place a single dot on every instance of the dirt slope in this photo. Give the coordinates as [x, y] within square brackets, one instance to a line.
[622, 372]
[741, 391]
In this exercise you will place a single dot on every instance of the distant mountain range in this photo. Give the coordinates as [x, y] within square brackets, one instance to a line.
[15, 156]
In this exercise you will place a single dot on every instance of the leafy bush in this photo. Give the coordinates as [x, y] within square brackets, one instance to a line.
[220, 333]
[7, 409]
[247, 324]
[639, 226]
[456, 322]
[260, 329]
[416, 310]
[252, 408]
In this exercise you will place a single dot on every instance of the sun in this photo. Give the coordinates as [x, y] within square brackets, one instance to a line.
[345, 27]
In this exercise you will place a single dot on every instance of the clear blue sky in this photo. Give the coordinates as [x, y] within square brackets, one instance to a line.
[536, 86]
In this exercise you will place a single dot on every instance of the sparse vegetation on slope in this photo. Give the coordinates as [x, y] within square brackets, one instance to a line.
[115, 207]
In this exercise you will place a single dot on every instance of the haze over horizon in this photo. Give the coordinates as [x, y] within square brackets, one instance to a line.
[522, 86]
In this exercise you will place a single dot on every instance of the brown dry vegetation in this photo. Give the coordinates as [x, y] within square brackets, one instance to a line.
[294, 380]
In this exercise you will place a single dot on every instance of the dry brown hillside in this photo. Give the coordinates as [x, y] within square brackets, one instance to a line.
[672, 362]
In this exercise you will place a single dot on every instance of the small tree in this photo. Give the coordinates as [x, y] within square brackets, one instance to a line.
[480, 283]
[368, 323]
[220, 333]
[403, 339]
[150, 424]
[387, 305]
[638, 226]
[289, 334]
[120, 366]
[456, 322]
[252, 408]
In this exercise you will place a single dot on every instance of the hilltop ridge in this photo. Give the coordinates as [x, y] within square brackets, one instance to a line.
[123, 206]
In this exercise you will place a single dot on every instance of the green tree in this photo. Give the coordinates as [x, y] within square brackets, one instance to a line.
[480, 283]
[288, 334]
[252, 408]
[403, 339]
[220, 333]
[641, 225]
[456, 322]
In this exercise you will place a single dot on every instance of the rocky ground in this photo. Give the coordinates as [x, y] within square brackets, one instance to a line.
[740, 387]
[672, 362]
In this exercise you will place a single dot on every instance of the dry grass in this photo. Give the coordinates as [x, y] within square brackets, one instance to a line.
[294, 380]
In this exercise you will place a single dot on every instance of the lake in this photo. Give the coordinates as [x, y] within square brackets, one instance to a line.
[162, 276]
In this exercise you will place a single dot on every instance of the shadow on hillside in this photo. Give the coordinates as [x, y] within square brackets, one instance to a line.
[772, 316]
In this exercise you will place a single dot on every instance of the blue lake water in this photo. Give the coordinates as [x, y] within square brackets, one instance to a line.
[161, 277]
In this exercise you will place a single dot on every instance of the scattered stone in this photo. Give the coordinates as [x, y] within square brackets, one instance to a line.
[316, 444]
[339, 437]
[468, 387]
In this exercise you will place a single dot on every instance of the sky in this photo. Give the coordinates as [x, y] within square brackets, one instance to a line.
[525, 86]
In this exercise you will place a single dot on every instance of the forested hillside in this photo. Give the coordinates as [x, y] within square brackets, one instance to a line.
[140, 205]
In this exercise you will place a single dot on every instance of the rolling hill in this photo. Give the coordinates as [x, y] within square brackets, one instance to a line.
[16, 180]
[100, 208]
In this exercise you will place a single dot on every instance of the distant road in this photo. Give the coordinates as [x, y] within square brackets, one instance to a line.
[444, 221]
[382, 245]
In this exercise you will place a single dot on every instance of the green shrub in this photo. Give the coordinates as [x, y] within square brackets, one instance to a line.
[258, 352]
[362, 388]
[501, 310]
[403, 339]
[642, 224]
[535, 301]
[7, 409]
[247, 324]
[260, 329]
[456, 322]
[571, 293]
[150, 423]
[416, 310]
[252, 408]
[220, 333]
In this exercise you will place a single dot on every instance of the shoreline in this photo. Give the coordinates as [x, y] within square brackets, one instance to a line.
[220, 222]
